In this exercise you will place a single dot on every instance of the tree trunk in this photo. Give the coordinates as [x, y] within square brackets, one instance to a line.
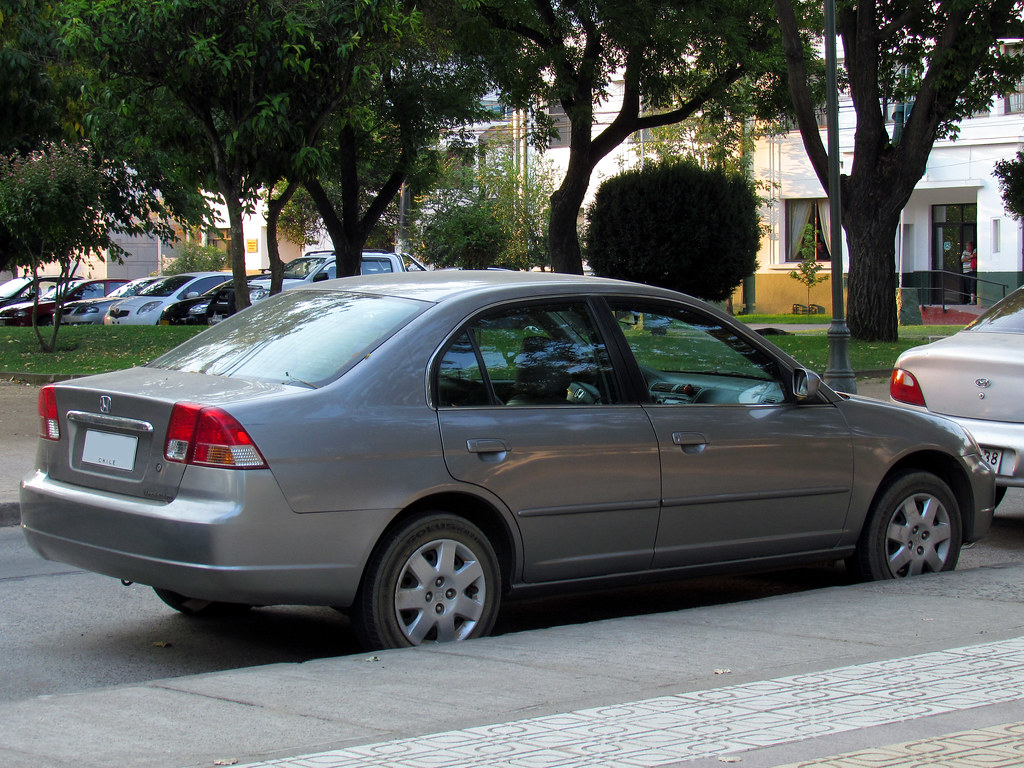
[871, 238]
[236, 250]
[274, 207]
[563, 235]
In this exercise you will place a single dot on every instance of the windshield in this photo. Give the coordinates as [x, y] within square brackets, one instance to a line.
[11, 287]
[128, 289]
[301, 267]
[167, 286]
[297, 337]
[1007, 316]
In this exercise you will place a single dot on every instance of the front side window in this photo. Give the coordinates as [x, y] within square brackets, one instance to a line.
[540, 354]
[689, 358]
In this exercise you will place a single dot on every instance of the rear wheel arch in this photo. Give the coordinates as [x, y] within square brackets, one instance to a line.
[438, 572]
[477, 511]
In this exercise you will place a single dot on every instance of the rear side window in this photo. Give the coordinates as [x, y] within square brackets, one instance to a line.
[297, 337]
[539, 354]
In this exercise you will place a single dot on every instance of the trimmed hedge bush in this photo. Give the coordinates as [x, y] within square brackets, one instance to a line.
[677, 226]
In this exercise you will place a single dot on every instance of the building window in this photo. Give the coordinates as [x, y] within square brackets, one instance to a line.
[560, 126]
[996, 235]
[809, 217]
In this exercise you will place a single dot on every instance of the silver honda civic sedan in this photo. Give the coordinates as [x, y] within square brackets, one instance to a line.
[414, 448]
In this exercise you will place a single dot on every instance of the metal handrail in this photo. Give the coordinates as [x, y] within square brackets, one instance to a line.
[961, 275]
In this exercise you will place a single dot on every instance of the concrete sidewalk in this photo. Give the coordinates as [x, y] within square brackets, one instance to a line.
[926, 671]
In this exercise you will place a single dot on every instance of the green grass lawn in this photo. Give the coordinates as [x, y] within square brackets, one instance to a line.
[94, 349]
[85, 349]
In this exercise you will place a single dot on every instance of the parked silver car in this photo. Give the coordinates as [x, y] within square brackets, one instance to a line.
[975, 377]
[413, 448]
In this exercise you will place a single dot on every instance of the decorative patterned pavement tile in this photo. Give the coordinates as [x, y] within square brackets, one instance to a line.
[1001, 745]
[688, 726]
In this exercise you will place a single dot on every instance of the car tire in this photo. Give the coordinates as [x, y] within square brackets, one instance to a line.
[433, 579]
[913, 527]
[193, 606]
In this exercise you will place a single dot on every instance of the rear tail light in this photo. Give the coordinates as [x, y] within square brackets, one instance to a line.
[49, 425]
[903, 388]
[210, 437]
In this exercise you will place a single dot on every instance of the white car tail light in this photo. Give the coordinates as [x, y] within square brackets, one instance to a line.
[210, 437]
[903, 388]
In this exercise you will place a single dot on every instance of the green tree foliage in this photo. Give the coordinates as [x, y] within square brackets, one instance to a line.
[675, 59]
[52, 201]
[503, 196]
[29, 96]
[468, 236]
[256, 79]
[389, 134]
[677, 226]
[1011, 183]
[193, 256]
[945, 58]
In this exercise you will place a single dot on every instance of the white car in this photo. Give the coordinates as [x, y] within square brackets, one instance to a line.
[92, 311]
[317, 266]
[975, 377]
[145, 307]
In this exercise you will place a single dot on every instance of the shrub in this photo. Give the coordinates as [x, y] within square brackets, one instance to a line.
[677, 226]
[193, 257]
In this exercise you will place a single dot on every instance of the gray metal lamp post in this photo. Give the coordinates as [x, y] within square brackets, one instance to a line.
[839, 373]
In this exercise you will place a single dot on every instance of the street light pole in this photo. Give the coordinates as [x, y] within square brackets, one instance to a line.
[839, 373]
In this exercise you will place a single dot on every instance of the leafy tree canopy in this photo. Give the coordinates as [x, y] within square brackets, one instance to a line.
[256, 79]
[1011, 181]
[54, 202]
[674, 59]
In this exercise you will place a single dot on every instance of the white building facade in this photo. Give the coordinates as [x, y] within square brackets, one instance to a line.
[958, 201]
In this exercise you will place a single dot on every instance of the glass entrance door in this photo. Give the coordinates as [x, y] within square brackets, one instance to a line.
[952, 227]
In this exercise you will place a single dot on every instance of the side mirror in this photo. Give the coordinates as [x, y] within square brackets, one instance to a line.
[805, 384]
[191, 294]
[319, 277]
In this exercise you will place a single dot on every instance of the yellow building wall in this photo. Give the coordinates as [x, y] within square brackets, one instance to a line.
[776, 293]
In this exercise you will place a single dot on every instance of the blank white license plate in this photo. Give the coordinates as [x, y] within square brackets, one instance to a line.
[993, 457]
[109, 450]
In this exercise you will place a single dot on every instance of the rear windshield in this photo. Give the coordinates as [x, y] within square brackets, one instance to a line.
[1005, 317]
[297, 337]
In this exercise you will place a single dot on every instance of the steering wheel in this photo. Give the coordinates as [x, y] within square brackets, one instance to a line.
[583, 394]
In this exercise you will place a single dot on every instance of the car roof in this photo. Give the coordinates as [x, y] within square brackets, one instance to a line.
[444, 285]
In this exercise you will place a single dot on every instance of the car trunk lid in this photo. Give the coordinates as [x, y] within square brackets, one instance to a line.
[972, 376]
[113, 427]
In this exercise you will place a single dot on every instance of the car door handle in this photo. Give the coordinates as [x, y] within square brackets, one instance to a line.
[486, 445]
[690, 442]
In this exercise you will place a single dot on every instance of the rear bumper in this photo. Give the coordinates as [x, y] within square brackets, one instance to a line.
[1009, 439]
[254, 551]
